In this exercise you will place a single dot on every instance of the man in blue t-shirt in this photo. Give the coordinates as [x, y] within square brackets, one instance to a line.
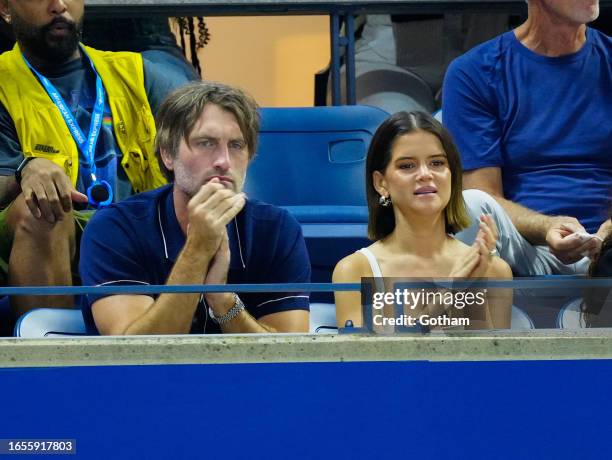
[200, 229]
[38, 234]
[530, 111]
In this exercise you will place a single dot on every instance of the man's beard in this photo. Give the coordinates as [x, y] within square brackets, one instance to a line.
[190, 184]
[39, 42]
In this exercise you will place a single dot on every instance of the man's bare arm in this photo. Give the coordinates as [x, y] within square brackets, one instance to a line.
[532, 225]
[244, 322]
[538, 229]
[169, 314]
[173, 313]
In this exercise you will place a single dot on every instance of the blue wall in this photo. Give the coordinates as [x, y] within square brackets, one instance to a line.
[488, 410]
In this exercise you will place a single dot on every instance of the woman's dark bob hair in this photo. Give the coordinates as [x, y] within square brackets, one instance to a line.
[381, 221]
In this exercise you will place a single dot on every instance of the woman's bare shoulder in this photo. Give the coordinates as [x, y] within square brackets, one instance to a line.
[499, 268]
[351, 268]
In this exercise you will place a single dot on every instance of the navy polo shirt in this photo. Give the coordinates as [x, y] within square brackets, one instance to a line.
[138, 240]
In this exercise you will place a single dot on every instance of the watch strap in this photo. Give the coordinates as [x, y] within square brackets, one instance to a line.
[20, 168]
[232, 312]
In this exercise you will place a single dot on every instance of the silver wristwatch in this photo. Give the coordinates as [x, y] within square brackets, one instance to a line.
[232, 312]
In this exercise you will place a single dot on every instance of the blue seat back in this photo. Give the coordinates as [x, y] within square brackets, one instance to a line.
[311, 161]
[313, 156]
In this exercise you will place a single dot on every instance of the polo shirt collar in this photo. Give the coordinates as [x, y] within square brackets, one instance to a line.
[173, 238]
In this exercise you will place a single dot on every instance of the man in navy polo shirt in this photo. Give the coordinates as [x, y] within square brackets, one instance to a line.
[200, 229]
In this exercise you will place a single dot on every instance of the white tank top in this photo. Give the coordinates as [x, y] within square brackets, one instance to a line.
[378, 284]
[376, 271]
[380, 287]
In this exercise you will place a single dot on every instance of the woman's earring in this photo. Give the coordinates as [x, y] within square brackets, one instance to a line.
[384, 201]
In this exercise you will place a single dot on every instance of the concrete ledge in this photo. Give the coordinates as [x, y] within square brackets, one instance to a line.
[264, 348]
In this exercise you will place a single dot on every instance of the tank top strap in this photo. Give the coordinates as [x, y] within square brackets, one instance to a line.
[376, 271]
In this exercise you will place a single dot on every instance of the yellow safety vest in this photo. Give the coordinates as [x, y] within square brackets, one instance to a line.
[43, 132]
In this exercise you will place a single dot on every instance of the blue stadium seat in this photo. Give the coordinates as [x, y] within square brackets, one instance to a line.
[323, 318]
[520, 320]
[50, 322]
[311, 161]
[571, 316]
[313, 157]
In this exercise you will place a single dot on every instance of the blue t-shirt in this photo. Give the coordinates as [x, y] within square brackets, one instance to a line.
[138, 241]
[546, 122]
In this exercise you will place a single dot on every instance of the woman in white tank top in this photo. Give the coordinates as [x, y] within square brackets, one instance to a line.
[413, 187]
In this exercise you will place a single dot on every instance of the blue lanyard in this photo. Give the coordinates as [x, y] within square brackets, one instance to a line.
[87, 145]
